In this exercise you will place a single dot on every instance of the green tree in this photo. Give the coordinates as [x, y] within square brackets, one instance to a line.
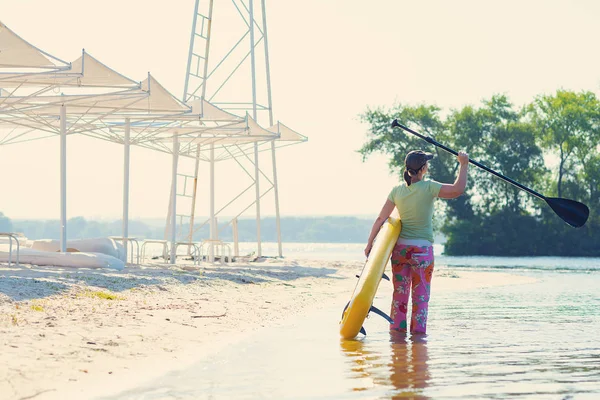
[494, 217]
[396, 143]
[383, 138]
[568, 127]
[509, 148]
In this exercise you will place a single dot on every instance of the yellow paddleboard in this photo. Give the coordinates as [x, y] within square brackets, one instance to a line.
[362, 299]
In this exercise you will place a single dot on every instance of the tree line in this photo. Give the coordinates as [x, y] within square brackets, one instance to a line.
[550, 145]
[293, 229]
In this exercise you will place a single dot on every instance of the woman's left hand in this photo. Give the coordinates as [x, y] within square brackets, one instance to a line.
[368, 249]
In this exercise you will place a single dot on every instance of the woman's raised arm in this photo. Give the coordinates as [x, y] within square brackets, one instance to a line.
[454, 190]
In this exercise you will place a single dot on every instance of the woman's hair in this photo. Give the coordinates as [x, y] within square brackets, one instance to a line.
[409, 173]
[414, 163]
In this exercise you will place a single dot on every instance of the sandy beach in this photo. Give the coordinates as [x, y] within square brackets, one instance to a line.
[78, 333]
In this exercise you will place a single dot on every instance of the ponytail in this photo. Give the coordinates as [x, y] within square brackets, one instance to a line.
[409, 173]
[407, 178]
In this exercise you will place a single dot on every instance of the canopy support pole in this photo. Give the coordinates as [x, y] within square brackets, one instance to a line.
[257, 186]
[174, 199]
[63, 178]
[256, 171]
[126, 149]
[194, 193]
[270, 105]
[276, 192]
[236, 246]
[213, 228]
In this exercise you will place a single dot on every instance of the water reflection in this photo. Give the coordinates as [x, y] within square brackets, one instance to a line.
[409, 373]
[403, 366]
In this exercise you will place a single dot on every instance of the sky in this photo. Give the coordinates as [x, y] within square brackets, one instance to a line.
[330, 60]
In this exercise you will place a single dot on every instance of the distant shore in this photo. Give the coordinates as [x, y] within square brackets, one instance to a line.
[68, 333]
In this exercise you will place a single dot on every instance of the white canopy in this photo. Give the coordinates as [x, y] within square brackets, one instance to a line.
[86, 71]
[18, 53]
[209, 111]
[98, 99]
[160, 100]
[247, 130]
[93, 73]
[286, 134]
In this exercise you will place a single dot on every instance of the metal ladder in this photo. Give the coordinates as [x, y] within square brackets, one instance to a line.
[185, 191]
[197, 68]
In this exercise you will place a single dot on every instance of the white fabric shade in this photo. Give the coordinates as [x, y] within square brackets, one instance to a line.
[209, 111]
[245, 131]
[160, 100]
[98, 99]
[95, 73]
[78, 104]
[16, 52]
[86, 71]
[286, 134]
[148, 97]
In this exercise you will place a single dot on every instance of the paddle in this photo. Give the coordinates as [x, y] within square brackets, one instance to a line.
[572, 212]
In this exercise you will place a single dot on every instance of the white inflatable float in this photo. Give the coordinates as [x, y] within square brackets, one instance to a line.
[85, 253]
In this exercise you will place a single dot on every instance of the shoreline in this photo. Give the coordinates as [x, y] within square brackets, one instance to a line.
[80, 333]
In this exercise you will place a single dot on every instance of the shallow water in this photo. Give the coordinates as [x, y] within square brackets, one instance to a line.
[354, 252]
[537, 341]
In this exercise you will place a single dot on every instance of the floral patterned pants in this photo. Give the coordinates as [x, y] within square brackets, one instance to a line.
[412, 268]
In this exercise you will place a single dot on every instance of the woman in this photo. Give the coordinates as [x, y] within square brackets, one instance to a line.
[412, 257]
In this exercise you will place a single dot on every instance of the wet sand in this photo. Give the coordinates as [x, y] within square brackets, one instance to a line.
[79, 333]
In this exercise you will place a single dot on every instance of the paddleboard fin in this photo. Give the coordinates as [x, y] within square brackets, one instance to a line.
[362, 330]
[345, 308]
[379, 312]
[387, 278]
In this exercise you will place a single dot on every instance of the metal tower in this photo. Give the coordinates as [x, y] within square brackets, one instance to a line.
[228, 65]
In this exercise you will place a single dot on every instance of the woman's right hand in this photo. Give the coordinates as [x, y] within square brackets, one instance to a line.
[368, 249]
[463, 158]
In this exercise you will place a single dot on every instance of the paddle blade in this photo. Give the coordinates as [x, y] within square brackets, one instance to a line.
[572, 212]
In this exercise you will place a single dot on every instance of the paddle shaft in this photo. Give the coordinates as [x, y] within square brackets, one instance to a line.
[491, 171]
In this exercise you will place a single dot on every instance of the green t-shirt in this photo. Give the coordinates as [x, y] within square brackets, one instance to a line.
[415, 206]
